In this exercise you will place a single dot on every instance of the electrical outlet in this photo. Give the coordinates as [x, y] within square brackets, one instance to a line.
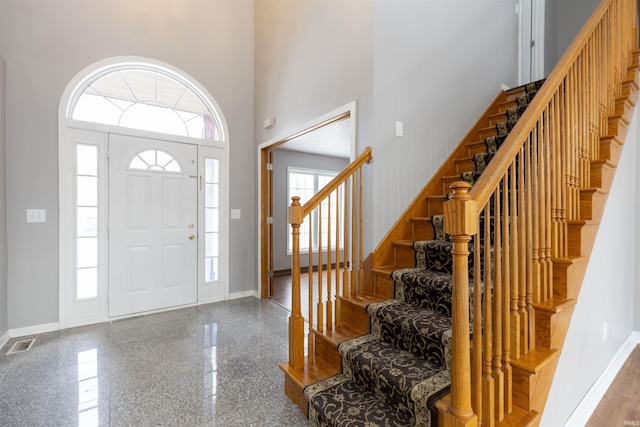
[235, 213]
[605, 330]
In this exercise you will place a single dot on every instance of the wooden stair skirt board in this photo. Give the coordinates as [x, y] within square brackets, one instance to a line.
[387, 362]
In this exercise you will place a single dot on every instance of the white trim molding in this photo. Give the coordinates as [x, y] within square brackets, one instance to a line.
[590, 401]
[33, 330]
[4, 339]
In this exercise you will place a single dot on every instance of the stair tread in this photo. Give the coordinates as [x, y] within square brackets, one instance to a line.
[346, 401]
[535, 360]
[363, 300]
[555, 305]
[386, 370]
[403, 242]
[339, 333]
[420, 218]
[312, 372]
[422, 331]
[384, 269]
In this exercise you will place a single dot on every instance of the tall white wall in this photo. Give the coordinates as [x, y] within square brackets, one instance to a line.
[563, 21]
[46, 43]
[438, 65]
[312, 57]
[3, 203]
[607, 293]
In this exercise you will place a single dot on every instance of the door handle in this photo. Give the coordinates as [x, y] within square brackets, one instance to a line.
[191, 237]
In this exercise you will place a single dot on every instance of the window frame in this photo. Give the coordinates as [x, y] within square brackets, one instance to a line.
[316, 173]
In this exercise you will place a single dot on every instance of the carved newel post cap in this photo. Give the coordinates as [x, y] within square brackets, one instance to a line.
[460, 189]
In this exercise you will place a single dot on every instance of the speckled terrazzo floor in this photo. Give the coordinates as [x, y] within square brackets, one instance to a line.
[211, 365]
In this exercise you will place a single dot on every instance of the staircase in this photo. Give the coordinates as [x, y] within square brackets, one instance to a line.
[397, 372]
[497, 243]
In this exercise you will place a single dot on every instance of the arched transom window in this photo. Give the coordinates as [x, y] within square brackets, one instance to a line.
[147, 99]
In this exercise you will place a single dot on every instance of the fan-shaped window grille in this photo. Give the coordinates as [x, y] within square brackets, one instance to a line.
[147, 99]
[155, 160]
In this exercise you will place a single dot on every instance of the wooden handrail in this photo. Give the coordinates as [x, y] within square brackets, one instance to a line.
[484, 186]
[317, 198]
[339, 246]
[519, 211]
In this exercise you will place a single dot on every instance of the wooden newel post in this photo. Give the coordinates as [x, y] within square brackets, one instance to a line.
[460, 222]
[296, 321]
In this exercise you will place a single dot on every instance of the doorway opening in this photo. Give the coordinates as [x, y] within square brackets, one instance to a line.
[299, 163]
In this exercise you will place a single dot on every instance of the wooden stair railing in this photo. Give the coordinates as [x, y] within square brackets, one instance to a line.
[331, 222]
[528, 212]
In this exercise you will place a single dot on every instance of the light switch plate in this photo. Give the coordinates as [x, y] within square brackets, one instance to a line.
[36, 215]
[235, 213]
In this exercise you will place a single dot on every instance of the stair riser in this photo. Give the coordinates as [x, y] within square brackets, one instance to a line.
[592, 204]
[617, 126]
[567, 279]
[295, 393]
[624, 108]
[404, 256]
[446, 184]
[551, 328]
[581, 238]
[504, 106]
[530, 391]
[465, 165]
[384, 285]
[355, 315]
[611, 149]
[421, 230]
[435, 206]
[476, 147]
[327, 351]
[486, 132]
[494, 120]
[602, 175]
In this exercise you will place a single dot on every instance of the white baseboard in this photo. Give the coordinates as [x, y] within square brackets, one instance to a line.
[32, 330]
[3, 339]
[244, 294]
[590, 401]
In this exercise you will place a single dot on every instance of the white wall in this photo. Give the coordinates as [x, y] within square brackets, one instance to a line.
[281, 229]
[563, 21]
[45, 44]
[438, 65]
[312, 57]
[3, 205]
[607, 293]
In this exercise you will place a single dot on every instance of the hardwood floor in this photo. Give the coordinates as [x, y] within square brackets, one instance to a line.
[620, 406]
[281, 290]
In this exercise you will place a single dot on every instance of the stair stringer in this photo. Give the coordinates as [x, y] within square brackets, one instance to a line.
[383, 254]
[533, 375]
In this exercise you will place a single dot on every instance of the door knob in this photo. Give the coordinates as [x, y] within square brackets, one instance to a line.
[191, 237]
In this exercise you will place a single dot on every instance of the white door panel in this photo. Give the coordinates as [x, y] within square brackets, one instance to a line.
[152, 225]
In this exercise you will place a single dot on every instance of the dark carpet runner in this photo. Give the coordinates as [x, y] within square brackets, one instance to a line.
[394, 375]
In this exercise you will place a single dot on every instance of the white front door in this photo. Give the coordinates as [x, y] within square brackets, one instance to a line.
[153, 226]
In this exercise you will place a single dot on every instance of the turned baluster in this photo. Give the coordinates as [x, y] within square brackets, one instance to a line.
[296, 321]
